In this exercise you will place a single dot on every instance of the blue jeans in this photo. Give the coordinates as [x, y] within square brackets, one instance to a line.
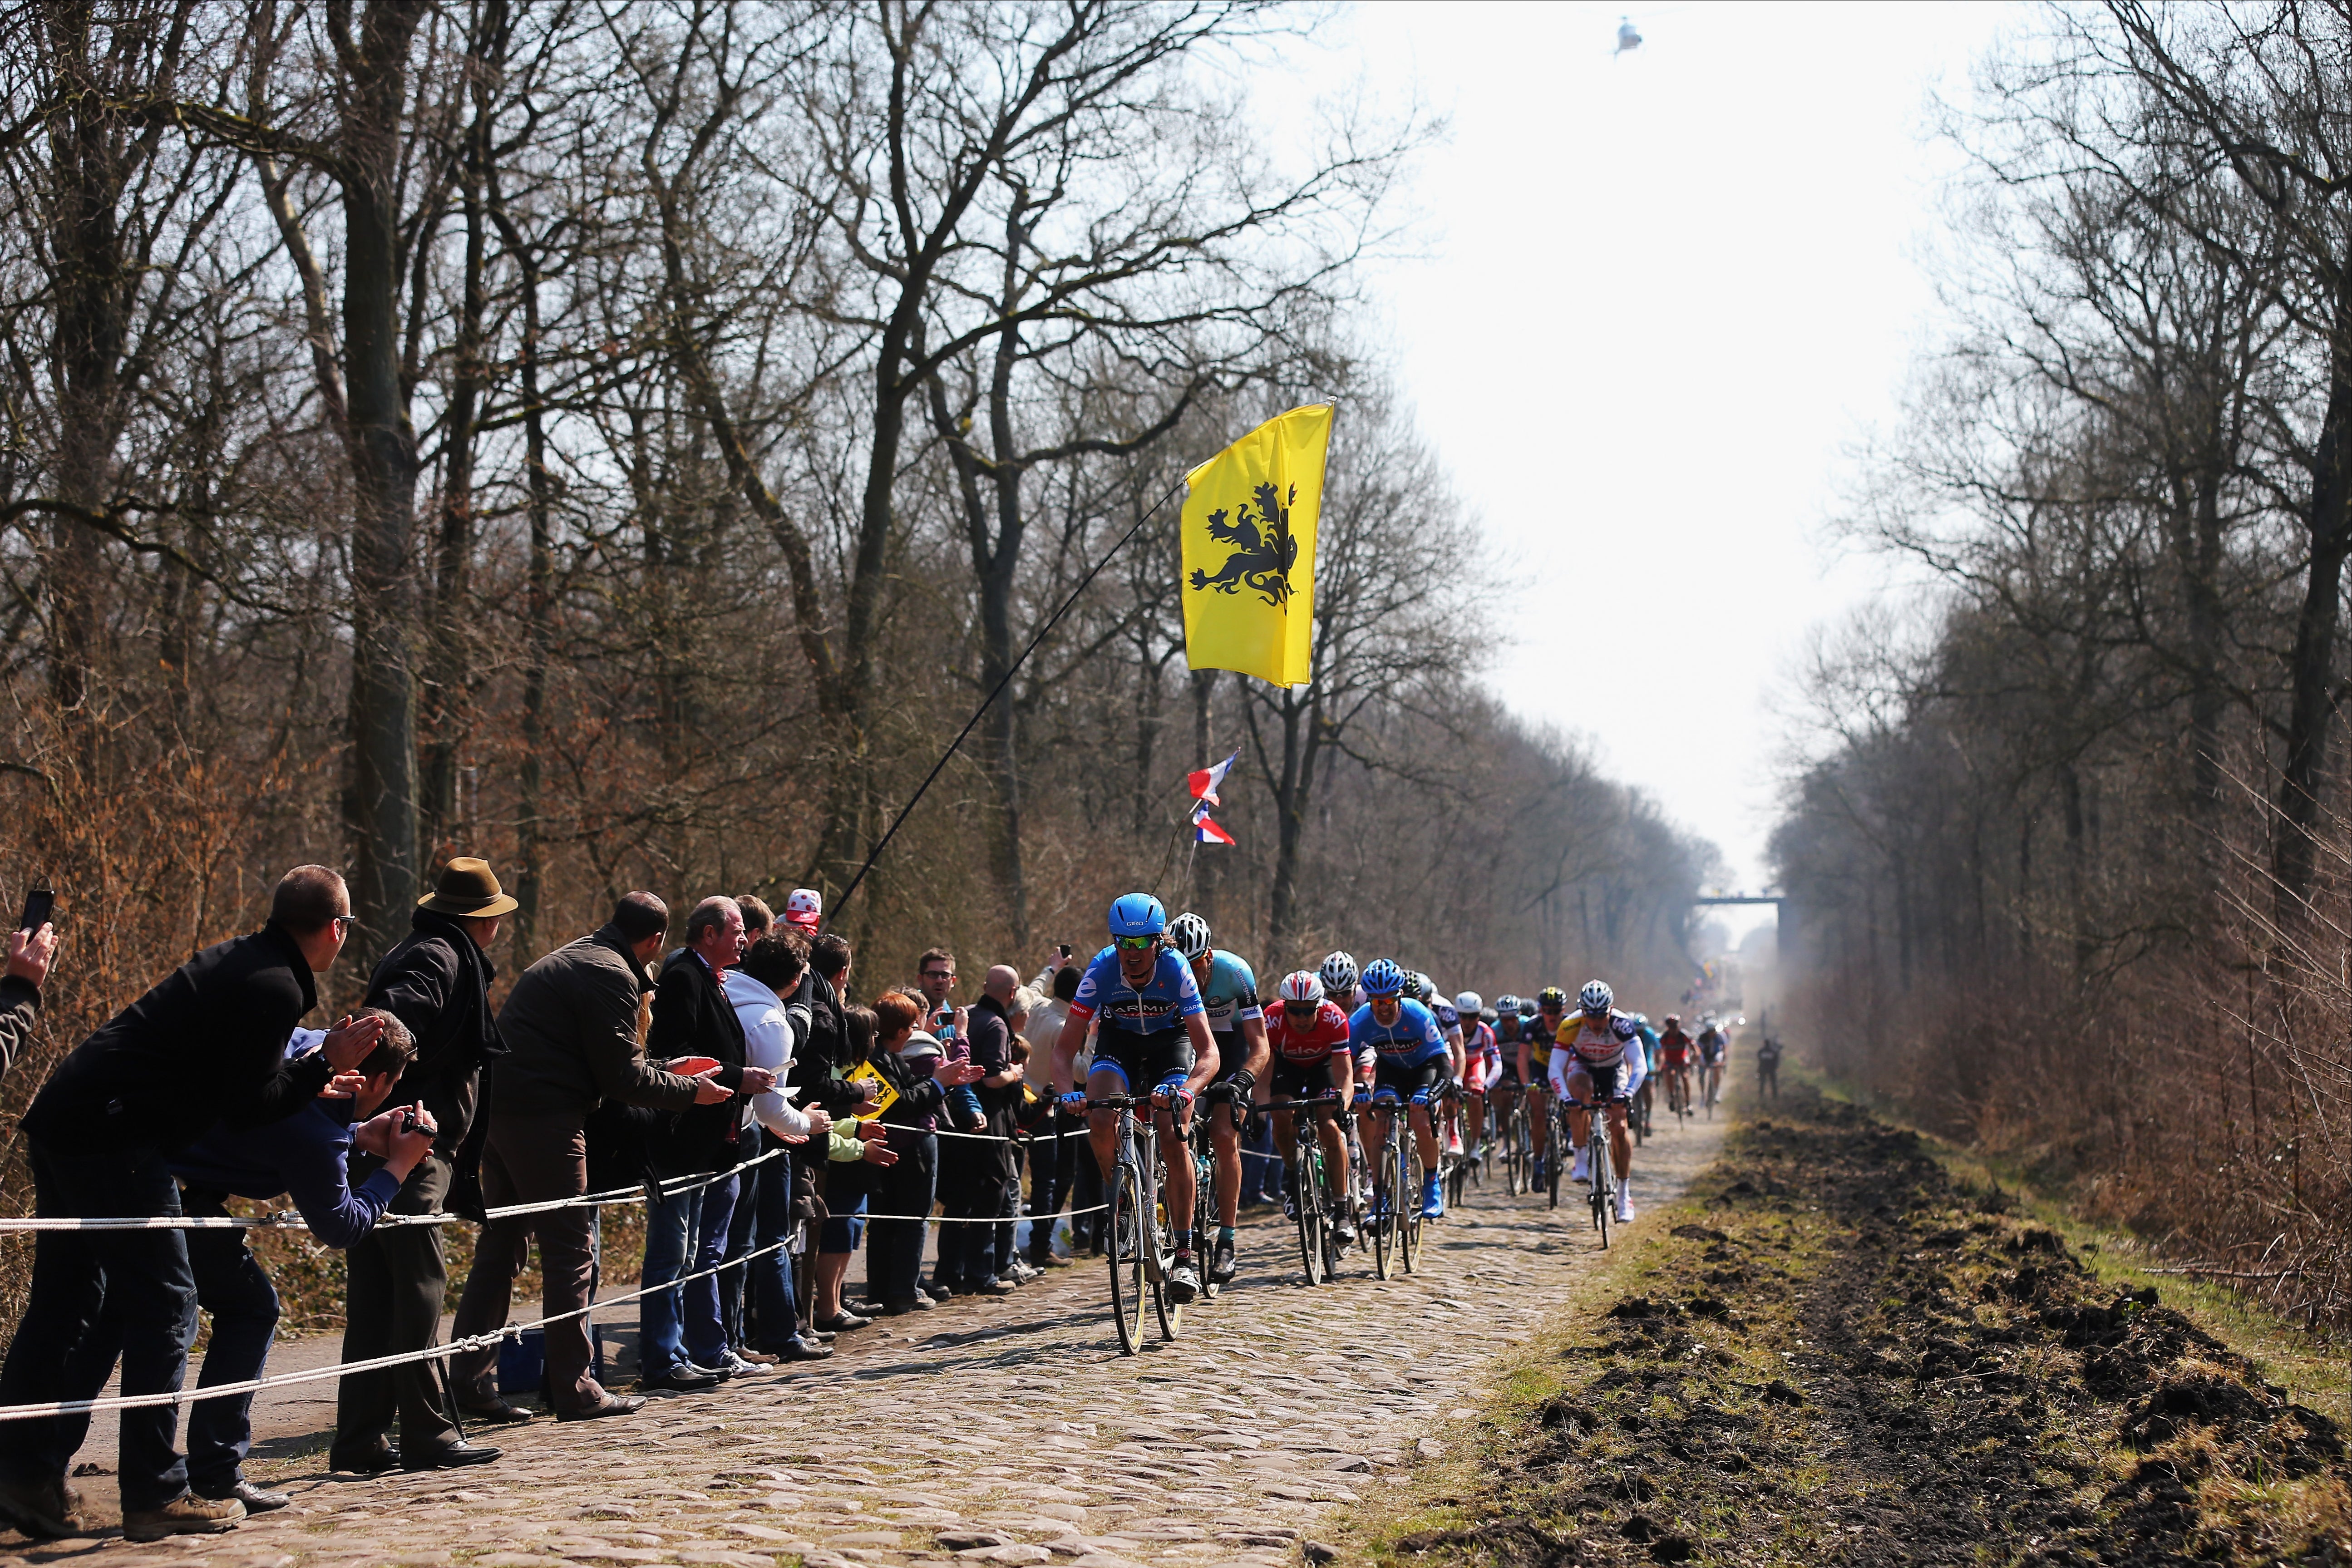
[89, 1287]
[706, 1333]
[234, 1290]
[774, 1307]
[674, 1229]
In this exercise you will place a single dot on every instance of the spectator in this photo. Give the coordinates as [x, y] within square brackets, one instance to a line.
[824, 1060]
[919, 1074]
[302, 1156]
[770, 971]
[682, 1344]
[436, 979]
[759, 920]
[29, 952]
[1055, 1169]
[977, 1173]
[206, 1045]
[804, 911]
[573, 1042]
[859, 1151]
[936, 974]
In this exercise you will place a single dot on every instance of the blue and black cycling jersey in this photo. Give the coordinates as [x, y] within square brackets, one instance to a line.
[1412, 1039]
[1159, 1004]
[1230, 996]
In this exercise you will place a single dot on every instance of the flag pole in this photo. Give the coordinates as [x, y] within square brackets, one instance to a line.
[988, 701]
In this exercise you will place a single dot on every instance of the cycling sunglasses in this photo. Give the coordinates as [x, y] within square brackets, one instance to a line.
[1136, 943]
[1301, 1008]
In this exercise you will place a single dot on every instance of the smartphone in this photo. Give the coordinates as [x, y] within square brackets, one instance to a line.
[38, 903]
[1065, 951]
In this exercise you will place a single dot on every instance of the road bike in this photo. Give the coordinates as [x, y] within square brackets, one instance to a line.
[1602, 1192]
[1714, 1072]
[1204, 1174]
[1678, 1093]
[1637, 1116]
[1140, 1242]
[1455, 1166]
[1508, 1140]
[1397, 1183]
[1319, 1208]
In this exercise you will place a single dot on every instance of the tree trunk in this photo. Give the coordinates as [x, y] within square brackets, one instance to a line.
[382, 714]
[2311, 663]
[1298, 710]
[87, 165]
[447, 664]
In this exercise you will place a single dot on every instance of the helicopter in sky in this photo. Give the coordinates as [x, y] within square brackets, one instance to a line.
[1629, 37]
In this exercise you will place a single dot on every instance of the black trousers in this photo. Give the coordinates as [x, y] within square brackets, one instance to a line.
[398, 1277]
[95, 1294]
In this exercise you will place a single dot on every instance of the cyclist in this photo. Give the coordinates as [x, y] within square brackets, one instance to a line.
[1341, 988]
[1504, 1083]
[1153, 1032]
[1480, 1059]
[1424, 990]
[1229, 990]
[1647, 1099]
[1713, 1046]
[1675, 1049]
[1598, 1061]
[1410, 1062]
[1308, 1037]
[1535, 1059]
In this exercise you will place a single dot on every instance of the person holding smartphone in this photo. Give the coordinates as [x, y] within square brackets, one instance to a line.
[30, 947]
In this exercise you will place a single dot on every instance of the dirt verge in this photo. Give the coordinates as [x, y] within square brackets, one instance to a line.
[1843, 1355]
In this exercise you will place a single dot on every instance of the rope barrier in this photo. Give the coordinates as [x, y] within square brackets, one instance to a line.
[472, 1342]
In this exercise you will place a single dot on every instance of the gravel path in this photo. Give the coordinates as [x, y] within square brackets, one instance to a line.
[1006, 1431]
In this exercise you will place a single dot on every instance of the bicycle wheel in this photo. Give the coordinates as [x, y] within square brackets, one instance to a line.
[1604, 1180]
[1204, 1217]
[1558, 1150]
[1307, 1170]
[1126, 1253]
[1170, 1311]
[1413, 1177]
[1382, 1222]
[1523, 1166]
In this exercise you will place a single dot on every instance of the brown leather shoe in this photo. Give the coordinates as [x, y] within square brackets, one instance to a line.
[611, 1405]
[758, 1358]
[187, 1514]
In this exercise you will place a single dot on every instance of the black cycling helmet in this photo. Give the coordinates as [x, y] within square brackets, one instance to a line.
[1551, 996]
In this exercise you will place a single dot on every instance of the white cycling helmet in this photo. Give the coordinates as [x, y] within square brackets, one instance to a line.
[1596, 998]
[1469, 1003]
[1301, 985]
[1188, 933]
[1340, 973]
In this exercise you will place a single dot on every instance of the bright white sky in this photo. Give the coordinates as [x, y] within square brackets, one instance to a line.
[1658, 299]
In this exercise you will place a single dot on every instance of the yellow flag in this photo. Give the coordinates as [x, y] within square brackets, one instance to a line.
[1249, 550]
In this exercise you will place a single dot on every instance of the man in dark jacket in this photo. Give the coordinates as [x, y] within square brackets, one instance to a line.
[207, 1044]
[436, 981]
[572, 1043]
[686, 1231]
[976, 1171]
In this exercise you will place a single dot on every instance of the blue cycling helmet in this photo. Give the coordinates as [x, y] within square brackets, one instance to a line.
[1137, 914]
[1383, 978]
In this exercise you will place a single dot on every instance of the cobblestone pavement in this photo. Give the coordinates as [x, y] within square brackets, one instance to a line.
[1001, 1431]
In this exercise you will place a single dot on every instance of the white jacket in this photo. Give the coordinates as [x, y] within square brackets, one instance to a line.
[772, 1031]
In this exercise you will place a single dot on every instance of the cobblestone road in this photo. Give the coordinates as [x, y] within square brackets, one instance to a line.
[1006, 1431]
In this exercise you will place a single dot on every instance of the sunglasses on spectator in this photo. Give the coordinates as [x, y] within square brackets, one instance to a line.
[344, 923]
[1137, 943]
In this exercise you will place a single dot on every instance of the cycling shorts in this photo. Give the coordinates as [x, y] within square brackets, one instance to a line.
[1294, 1081]
[1144, 1062]
[1603, 1081]
[1396, 1080]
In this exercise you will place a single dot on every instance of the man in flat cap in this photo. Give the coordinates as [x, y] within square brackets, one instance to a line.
[436, 981]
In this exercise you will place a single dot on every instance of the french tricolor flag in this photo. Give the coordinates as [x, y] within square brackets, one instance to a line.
[1206, 782]
[1204, 828]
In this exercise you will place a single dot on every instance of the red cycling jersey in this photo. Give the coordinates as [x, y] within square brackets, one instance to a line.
[1312, 1044]
[1675, 1048]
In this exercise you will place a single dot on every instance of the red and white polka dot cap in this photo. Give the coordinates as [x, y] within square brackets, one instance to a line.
[803, 908]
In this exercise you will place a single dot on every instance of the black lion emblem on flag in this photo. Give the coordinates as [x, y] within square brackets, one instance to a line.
[1264, 551]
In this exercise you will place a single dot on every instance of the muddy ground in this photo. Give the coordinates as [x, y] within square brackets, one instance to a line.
[1843, 1356]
